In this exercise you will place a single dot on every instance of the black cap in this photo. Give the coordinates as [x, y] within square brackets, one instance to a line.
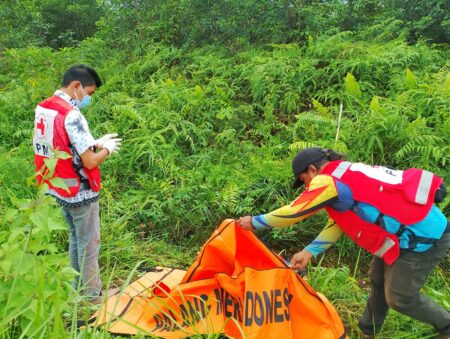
[303, 159]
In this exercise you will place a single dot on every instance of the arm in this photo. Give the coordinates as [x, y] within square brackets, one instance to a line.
[92, 159]
[319, 193]
[329, 235]
[81, 139]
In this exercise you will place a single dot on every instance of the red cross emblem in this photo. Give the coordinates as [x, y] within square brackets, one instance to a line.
[41, 125]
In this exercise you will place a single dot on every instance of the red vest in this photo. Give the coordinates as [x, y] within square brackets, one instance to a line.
[404, 195]
[50, 134]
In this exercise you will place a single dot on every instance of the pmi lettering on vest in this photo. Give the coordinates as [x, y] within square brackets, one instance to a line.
[44, 120]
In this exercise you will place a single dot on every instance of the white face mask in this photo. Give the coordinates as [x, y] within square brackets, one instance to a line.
[83, 102]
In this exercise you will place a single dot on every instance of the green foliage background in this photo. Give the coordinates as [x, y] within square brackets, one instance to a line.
[212, 100]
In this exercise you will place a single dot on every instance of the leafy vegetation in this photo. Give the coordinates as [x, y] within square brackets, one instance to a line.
[212, 100]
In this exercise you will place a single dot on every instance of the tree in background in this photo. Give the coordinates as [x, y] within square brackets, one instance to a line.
[362, 13]
[50, 23]
[22, 24]
[193, 23]
[69, 21]
[425, 18]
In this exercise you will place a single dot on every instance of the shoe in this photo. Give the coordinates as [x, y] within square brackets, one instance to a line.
[103, 296]
[111, 292]
[367, 335]
[444, 333]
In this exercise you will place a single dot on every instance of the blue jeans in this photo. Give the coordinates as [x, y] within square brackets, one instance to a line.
[84, 245]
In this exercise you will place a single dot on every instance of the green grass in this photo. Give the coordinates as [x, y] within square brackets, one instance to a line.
[209, 134]
[123, 257]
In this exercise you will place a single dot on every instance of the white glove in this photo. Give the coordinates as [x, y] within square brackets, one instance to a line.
[112, 145]
[100, 142]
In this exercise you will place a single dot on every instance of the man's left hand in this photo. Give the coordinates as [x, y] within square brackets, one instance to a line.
[245, 223]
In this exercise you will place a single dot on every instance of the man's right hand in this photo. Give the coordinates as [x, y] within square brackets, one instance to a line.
[100, 143]
[301, 259]
[245, 223]
[112, 145]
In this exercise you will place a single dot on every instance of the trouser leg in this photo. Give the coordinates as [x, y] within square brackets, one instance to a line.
[377, 307]
[405, 278]
[86, 220]
[73, 248]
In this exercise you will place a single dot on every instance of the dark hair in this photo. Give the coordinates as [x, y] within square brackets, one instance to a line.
[330, 155]
[84, 74]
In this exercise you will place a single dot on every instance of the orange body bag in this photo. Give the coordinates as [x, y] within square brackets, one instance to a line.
[236, 286]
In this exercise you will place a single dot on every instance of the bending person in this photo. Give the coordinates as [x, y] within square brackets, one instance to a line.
[390, 213]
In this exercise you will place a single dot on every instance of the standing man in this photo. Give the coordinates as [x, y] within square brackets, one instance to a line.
[390, 213]
[61, 132]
